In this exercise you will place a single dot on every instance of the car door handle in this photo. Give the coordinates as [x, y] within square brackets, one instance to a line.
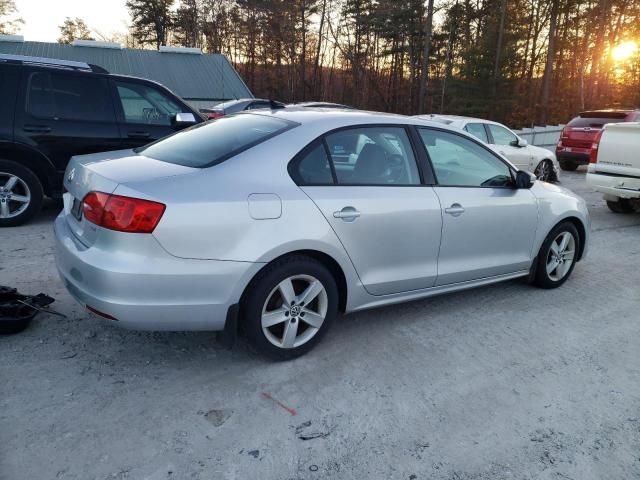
[138, 134]
[454, 210]
[37, 128]
[348, 214]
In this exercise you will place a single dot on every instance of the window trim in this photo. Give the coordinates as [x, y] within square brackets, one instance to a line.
[485, 128]
[493, 140]
[468, 136]
[417, 157]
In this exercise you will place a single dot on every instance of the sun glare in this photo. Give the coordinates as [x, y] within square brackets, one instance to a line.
[624, 51]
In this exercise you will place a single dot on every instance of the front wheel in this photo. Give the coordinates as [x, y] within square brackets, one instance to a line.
[20, 194]
[544, 171]
[623, 205]
[289, 307]
[557, 256]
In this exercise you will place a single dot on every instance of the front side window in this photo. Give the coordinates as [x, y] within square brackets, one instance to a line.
[477, 130]
[460, 162]
[502, 136]
[373, 156]
[213, 142]
[69, 97]
[143, 104]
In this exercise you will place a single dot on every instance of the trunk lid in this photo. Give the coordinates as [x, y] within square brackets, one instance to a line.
[618, 150]
[103, 172]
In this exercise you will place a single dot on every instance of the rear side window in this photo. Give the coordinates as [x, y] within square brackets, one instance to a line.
[312, 166]
[210, 143]
[69, 97]
[478, 131]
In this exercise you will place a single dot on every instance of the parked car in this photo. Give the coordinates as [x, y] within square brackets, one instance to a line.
[615, 166]
[537, 160]
[279, 219]
[574, 146]
[53, 109]
[239, 105]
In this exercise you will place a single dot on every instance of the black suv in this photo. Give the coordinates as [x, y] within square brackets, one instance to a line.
[51, 110]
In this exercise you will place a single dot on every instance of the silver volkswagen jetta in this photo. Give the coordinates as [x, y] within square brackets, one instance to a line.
[275, 221]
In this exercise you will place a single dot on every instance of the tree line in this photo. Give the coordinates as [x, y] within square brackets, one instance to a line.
[516, 61]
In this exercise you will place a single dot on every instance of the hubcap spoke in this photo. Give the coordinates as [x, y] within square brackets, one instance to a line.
[554, 248]
[551, 266]
[311, 292]
[20, 198]
[565, 240]
[290, 333]
[4, 209]
[312, 318]
[287, 292]
[11, 182]
[275, 317]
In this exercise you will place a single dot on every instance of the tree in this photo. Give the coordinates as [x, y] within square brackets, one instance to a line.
[9, 20]
[424, 74]
[74, 29]
[187, 24]
[548, 69]
[151, 21]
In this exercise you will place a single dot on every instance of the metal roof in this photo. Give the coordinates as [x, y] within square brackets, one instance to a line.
[191, 76]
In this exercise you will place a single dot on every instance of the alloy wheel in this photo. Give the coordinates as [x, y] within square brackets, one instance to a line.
[544, 171]
[562, 252]
[15, 195]
[294, 311]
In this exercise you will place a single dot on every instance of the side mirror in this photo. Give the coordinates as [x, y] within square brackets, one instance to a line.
[182, 120]
[522, 142]
[524, 179]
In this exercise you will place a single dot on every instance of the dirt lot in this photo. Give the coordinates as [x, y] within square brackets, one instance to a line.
[503, 382]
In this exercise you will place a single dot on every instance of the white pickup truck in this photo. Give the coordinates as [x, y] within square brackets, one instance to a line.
[614, 168]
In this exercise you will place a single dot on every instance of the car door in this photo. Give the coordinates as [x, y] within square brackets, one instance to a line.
[488, 225]
[367, 184]
[144, 112]
[66, 113]
[505, 142]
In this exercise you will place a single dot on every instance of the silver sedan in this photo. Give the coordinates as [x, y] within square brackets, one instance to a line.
[276, 221]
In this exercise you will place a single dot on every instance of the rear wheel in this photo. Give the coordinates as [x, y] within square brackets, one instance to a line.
[289, 307]
[20, 194]
[623, 205]
[557, 256]
[568, 165]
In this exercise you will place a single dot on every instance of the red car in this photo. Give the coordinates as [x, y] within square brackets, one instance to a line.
[578, 135]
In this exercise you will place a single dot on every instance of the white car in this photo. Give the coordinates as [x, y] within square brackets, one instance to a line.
[614, 169]
[537, 160]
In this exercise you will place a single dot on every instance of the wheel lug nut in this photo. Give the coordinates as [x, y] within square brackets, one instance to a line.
[286, 314]
[302, 314]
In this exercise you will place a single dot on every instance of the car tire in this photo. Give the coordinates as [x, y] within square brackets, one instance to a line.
[10, 327]
[556, 261]
[568, 166]
[544, 171]
[274, 314]
[17, 181]
[623, 205]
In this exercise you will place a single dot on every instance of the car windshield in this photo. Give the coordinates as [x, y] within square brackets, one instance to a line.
[211, 143]
[594, 122]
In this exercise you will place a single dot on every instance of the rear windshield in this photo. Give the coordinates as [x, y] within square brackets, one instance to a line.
[594, 122]
[213, 142]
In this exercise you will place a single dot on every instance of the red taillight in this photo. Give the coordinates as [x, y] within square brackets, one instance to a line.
[593, 156]
[214, 115]
[565, 133]
[124, 214]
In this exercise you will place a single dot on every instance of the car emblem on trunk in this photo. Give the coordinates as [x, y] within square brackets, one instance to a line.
[72, 174]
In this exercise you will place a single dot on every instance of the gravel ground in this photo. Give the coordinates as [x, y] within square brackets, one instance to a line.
[502, 382]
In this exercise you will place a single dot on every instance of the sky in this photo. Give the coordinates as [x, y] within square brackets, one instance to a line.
[43, 17]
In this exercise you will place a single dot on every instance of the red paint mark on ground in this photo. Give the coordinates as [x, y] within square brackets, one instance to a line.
[291, 411]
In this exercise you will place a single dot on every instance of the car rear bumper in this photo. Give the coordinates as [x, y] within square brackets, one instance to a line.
[614, 185]
[579, 156]
[151, 291]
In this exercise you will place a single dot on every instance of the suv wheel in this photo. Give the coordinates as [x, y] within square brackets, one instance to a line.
[20, 194]
[568, 166]
[557, 256]
[289, 307]
[623, 205]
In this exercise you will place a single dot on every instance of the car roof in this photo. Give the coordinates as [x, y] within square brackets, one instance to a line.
[332, 118]
[455, 118]
[322, 105]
